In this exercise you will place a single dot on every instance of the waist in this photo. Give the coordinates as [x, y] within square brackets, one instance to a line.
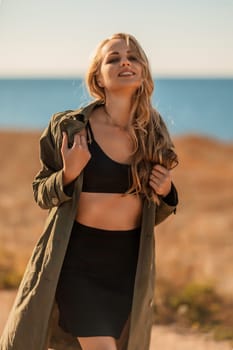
[109, 210]
[90, 230]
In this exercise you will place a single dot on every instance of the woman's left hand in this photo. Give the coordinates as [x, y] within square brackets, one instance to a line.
[160, 180]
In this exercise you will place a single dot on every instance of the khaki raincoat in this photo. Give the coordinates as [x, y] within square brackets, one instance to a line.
[34, 313]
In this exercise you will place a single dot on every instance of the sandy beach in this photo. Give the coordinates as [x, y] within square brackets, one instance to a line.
[195, 245]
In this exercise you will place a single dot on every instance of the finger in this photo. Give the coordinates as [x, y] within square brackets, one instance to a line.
[77, 140]
[64, 144]
[160, 168]
[161, 175]
[83, 141]
[155, 181]
[157, 174]
[157, 188]
[154, 185]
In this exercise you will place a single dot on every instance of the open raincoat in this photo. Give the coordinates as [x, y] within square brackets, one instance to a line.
[33, 317]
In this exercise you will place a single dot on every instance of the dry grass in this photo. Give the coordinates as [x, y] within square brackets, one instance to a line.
[21, 221]
[196, 244]
[194, 306]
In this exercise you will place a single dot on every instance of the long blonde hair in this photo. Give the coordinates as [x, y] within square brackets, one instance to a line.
[152, 142]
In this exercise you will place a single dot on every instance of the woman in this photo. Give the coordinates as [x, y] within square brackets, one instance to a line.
[106, 179]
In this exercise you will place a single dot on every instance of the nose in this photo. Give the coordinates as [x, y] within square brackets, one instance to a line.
[125, 61]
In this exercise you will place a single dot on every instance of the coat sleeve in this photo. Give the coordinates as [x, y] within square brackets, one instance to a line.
[167, 206]
[47, 185]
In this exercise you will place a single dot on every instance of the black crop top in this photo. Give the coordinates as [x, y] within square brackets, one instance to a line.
[103, 174]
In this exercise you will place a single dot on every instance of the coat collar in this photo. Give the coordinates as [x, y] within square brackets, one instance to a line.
[84, 113]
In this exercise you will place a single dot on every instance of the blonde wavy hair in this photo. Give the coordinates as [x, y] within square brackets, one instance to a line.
[151, 140]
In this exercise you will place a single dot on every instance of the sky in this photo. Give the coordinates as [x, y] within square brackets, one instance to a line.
[56, 38]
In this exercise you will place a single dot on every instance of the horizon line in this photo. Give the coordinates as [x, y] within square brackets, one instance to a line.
[81, 76]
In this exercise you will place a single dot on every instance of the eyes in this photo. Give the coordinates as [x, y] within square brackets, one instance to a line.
[117, 59]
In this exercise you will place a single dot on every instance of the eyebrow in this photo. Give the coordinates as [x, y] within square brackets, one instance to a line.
[117, 53]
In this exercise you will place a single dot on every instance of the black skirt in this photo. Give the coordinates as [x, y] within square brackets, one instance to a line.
[96, 284]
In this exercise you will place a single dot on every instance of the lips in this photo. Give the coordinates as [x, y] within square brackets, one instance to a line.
[126, 73]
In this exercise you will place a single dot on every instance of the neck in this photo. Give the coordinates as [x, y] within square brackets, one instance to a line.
[118, 111]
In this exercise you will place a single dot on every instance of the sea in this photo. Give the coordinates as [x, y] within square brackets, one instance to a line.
[189, 106]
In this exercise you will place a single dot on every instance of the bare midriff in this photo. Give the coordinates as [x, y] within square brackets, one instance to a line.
[109, 211]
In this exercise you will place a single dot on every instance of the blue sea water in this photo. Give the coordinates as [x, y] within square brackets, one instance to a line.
[200, 106]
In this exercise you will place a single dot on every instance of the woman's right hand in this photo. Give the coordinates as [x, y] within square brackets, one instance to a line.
[74, 158]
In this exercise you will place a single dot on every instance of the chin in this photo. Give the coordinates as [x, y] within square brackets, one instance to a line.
[131, 86]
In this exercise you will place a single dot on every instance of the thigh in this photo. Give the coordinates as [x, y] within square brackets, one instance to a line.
[97, 343]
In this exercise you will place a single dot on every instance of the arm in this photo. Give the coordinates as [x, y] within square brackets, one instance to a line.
[61, 165]
[166, 196]
[167, 205]
[47, 185]
[163, 187]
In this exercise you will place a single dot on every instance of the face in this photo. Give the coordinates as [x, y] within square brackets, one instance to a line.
[120, 68]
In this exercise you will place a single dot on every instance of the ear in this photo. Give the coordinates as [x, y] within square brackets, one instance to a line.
[99, 81]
